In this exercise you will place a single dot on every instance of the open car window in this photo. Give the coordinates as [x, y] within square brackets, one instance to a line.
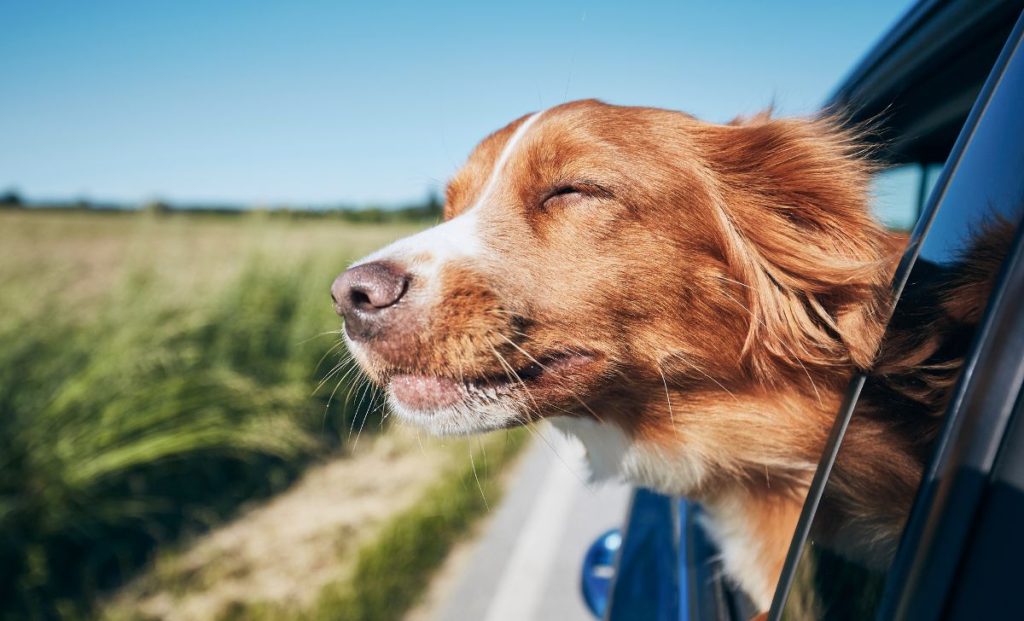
[899, 193]
[837, 568]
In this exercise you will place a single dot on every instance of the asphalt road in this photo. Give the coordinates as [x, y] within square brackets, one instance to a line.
[526, 565]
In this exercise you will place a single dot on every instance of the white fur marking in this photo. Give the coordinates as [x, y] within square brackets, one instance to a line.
[456, 238]
[448, 240]
[614, 456]
[728, 525]
[503, 158]
[424, 255]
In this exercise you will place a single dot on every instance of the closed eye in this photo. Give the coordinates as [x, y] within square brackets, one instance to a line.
[563, 190]
[571, 193]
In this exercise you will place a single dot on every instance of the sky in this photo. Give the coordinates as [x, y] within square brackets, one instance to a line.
[321, 103]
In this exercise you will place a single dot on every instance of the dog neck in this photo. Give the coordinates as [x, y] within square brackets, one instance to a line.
[747, 459]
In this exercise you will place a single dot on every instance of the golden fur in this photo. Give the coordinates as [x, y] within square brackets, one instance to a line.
[714, 287]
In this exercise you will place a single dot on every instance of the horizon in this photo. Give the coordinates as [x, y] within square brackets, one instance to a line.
[12, 196]
[321, 104]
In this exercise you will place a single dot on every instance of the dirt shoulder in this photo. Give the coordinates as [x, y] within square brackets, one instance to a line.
[286, 550]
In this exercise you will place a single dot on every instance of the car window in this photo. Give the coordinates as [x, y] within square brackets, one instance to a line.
[899, 193]
[840, 571]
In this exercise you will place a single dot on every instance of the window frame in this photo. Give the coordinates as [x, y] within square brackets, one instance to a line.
[1011, 49]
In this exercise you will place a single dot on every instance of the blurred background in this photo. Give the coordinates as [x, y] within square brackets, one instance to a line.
[182, 435]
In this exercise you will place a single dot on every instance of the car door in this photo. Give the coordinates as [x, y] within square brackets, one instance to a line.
[976, 208]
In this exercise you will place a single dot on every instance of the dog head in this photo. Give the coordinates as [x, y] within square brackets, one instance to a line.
[595, 258]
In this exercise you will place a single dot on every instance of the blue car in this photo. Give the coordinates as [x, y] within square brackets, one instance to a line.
[946, 84]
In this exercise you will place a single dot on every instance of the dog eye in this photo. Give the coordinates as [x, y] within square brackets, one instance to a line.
[562, 195]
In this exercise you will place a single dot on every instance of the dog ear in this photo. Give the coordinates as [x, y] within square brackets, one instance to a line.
[792, 209]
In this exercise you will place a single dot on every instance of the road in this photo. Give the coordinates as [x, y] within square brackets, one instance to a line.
[526, 565]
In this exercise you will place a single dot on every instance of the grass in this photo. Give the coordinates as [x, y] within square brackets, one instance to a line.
[391, 571]
[156, 372]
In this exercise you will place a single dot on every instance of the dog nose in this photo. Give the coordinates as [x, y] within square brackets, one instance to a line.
[361, 293]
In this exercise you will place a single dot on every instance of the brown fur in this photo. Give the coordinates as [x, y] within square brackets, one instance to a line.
[724, 282]
[906, 392]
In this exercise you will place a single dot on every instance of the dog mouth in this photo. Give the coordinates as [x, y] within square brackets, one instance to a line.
[431, 393]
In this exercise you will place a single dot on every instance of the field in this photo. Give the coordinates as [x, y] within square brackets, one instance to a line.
[162, 373]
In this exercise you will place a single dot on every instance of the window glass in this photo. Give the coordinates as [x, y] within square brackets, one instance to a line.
[931, 177]
[898, 193]
[871, 487]
[895, 196]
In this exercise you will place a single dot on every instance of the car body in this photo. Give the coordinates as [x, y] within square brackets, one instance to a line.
[946, 87]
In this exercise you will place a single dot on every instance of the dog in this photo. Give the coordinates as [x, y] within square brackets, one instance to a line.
[688, 299]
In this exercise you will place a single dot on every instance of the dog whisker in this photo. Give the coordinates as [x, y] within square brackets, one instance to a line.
[681, 356]
[529, 424]
[321, 335]
[352, 366]
[327, 407]
[513, 376]
[360, 395]
[476, 477]
[668, 398]
[374, 393]
[542, 366]
[330, 374]
[328, 353]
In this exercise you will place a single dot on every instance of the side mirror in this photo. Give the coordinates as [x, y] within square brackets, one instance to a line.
[598, 571]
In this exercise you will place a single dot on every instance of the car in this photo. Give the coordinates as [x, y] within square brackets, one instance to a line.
[945, 89]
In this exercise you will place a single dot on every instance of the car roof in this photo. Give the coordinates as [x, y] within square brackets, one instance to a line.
[936, 47]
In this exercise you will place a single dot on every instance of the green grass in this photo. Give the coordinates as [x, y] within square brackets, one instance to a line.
[391, 572]
[155, 373]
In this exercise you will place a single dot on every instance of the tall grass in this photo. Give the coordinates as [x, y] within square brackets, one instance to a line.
[151, 413]
[391, 571]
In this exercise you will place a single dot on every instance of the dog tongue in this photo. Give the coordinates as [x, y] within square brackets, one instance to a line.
[421, 392]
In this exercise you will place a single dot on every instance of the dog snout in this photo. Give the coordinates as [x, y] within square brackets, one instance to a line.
[366, 295]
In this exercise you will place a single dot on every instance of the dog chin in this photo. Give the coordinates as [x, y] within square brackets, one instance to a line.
[460, 419]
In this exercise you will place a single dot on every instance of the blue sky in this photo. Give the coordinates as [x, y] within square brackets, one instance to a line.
[329, 102]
